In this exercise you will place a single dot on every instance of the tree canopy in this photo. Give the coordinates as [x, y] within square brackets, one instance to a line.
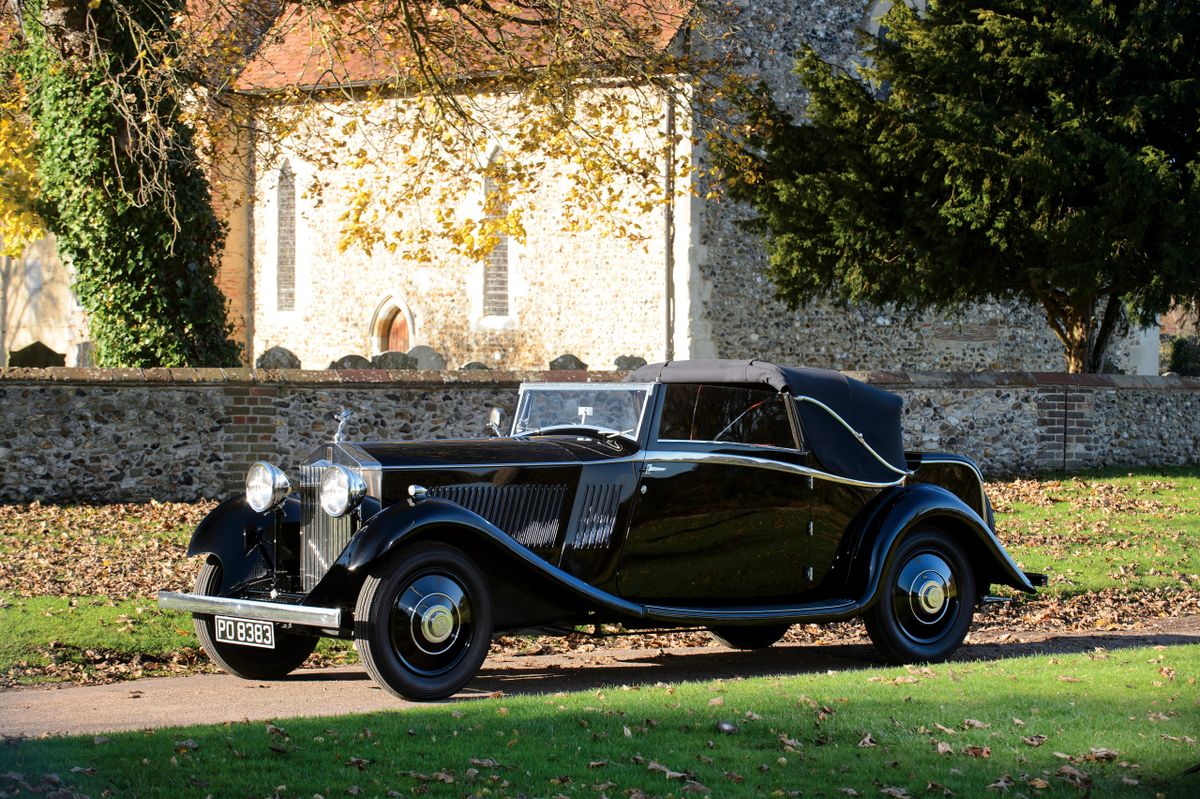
[1002, 149]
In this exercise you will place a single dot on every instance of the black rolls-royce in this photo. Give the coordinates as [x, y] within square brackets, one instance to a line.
[739, 496]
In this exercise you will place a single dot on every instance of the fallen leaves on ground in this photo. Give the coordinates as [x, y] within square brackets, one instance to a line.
[120, 551]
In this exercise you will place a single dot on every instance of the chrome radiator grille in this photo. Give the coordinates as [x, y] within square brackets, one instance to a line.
[529, 513]
[598, 516]
[322, 537]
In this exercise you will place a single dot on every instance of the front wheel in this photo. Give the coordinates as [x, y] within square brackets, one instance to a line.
[758, 637]
[926, 602]
[247, 662]
[424, 621]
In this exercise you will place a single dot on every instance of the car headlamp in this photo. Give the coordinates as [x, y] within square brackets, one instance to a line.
[266, 486]
[341, 490]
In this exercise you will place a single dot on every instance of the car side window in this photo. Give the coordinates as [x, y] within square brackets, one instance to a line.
[725, 413]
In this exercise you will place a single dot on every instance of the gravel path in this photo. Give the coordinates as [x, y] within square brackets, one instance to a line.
[216, 698]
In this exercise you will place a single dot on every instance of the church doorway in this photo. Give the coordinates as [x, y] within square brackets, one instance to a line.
[395, 332]
[392, 327]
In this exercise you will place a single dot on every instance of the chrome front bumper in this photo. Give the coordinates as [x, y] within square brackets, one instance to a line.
[250, 609]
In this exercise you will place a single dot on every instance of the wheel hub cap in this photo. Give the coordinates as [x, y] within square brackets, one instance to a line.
[438, 623]
[928, 596]
[932, 597]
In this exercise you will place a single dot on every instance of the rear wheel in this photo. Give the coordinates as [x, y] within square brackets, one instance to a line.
[247, 662]
[759, 637]
[926, 602]
[424, 621]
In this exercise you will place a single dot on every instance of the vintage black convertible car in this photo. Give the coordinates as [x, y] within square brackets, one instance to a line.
[734, 495]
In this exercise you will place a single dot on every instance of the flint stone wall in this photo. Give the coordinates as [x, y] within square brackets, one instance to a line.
[112, 435]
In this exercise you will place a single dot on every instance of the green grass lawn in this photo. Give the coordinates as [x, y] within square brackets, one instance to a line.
[1121, 723]
[1129, 530]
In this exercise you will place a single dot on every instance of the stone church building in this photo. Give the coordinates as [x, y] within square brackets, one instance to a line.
[693, 288]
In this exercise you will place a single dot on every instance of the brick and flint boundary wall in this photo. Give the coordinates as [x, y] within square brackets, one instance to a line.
[118, 435]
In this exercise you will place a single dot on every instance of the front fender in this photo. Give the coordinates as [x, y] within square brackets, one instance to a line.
[234, 533]
[441, 520]
[922, 504]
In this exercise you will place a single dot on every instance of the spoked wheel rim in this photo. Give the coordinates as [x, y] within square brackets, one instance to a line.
[925, 597]
[431, 622]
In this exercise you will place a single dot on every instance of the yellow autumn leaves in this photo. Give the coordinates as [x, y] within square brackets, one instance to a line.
[20, 224]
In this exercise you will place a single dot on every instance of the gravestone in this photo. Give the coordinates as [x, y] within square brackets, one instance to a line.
[352, 362]
[428, 358]
[394, 359]
[627, 363]
[568, 363]
[277, 358]
[36, 356]
[475, 365]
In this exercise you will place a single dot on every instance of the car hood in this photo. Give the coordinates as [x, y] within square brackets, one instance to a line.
[488, 452]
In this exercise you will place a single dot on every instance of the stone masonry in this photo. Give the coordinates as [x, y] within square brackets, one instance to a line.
[71, 435]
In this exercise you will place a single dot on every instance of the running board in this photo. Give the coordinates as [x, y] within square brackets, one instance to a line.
[996, 600]
[830, 610]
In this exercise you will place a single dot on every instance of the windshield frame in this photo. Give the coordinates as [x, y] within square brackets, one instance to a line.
[528, 388]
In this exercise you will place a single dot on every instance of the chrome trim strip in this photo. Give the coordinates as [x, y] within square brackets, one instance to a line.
[763, 447]
[725, 459]
[303, 615]
[568, 386]
[983, 500]
[498, 465]
[855, 433]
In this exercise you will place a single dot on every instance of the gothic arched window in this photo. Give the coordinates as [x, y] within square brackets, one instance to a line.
[285, 261]
[495, 269]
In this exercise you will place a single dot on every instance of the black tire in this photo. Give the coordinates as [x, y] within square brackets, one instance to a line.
[758, 637]
[248, 662]
[926, 600]
[423, 621]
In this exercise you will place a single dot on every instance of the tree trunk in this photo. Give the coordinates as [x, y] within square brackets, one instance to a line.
[1084, 335]
[1072, 324]
[66, 23]
[1077, 344]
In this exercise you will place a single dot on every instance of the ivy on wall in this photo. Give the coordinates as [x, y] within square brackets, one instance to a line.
[120, 186]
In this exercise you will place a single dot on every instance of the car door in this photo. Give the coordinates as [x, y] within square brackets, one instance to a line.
[722, 506]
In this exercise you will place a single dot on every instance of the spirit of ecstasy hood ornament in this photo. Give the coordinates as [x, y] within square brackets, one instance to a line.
[342, 417]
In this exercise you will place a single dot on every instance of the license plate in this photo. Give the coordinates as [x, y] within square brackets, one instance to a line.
[247, 632]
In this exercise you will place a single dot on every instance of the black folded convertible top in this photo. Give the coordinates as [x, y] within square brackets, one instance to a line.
[871, 412]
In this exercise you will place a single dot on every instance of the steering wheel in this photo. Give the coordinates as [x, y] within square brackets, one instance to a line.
[591, 431]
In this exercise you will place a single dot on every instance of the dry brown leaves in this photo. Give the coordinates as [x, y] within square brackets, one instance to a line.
[116, 551]
[1110, 609]
[103, 666]
[1084, 494]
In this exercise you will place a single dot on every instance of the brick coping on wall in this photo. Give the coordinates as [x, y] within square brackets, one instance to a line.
[508, 379]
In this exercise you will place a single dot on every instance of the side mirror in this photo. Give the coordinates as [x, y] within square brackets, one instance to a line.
[495, 419]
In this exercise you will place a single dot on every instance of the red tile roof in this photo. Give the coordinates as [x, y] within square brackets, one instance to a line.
[367, 41]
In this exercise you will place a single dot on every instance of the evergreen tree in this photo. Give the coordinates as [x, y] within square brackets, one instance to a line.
[998, 149]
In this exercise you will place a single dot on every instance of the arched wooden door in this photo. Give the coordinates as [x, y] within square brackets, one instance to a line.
[394, 333]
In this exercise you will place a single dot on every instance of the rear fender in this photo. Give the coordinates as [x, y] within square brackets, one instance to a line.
[240, 537]
[904, 509]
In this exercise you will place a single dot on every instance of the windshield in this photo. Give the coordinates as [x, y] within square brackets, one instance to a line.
[609, 407]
